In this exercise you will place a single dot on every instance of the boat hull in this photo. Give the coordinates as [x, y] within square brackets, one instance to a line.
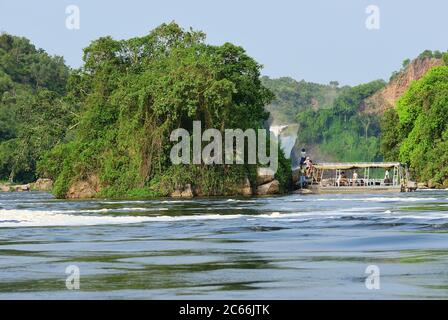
[368, 189]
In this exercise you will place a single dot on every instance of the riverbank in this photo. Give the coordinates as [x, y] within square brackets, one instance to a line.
[38, 185]
[266, 184]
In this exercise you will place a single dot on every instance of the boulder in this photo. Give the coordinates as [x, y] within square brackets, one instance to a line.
[265, 175]
[421, 185]
[411, 186]
[445, 183]
[246, 188]
[84, 189]
[433, 184]
[4, 188]
[269, 188]
[185, 192]
[20, 188]
[24, 187]
[42, 185]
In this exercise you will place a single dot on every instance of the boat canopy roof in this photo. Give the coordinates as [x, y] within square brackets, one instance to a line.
[356, 165]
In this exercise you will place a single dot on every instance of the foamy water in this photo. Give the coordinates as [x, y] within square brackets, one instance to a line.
[287, 247]
[140, 211]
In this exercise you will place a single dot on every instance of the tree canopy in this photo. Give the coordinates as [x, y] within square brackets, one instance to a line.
[135, 92]
[342, 132]
[292, 97]
[33, 114]
[417, 131]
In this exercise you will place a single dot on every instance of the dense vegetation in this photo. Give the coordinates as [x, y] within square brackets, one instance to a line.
[111, 119]
[417, 130]
[292, 97]
[341, 132]
[135, 92]
[33, 113]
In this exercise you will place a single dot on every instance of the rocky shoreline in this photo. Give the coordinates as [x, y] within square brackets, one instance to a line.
[266, 184]
[39, 185]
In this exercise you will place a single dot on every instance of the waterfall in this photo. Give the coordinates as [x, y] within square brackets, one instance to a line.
[287, 135]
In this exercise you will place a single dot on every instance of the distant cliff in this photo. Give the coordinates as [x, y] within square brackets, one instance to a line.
[400, 82]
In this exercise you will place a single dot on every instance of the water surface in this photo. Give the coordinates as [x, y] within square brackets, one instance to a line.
[290, 247]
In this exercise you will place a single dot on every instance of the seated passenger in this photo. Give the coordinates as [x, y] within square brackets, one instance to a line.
[355, 181]
[344, 180]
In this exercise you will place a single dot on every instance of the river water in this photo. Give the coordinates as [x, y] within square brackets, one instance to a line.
[289, 247]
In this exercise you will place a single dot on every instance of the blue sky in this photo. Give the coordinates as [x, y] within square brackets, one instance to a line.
[315, 40]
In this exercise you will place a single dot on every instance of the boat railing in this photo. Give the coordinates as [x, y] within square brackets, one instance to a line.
[360, 182]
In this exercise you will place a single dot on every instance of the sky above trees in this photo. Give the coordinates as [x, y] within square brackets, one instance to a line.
[319, 41]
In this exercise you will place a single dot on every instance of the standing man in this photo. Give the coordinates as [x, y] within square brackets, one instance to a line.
[302, 157]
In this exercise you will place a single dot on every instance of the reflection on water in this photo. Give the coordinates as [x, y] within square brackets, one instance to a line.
[267, 248]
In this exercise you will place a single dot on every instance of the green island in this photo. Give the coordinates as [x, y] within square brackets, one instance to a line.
[103, 130]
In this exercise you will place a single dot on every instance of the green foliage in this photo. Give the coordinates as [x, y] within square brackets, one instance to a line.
[293, 96]
[430, 54]
[421, 134]
[445, 58]
[342, 132]
[135, 92]
[284, 173]
[390, 135]
[406, 62]
[33, 113]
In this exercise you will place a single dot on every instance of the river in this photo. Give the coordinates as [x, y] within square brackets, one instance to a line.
[289, 247]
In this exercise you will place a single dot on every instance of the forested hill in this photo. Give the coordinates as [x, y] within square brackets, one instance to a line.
[292, 97]
[341, 132]
[350, 130]
[106, 124]
[33, 115]
[416, 131]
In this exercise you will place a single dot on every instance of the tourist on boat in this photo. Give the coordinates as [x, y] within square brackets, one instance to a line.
[355, 178]
[342, 179]
[387, 177]
[309, 167]
[302, 157]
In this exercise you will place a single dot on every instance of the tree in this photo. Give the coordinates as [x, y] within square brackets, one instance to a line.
[420, 135]
[342, 132]
[390, 137]
[135, 92]
[32, 115]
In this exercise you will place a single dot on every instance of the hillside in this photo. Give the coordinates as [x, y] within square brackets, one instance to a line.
[416, 131]
[292, 97]
[341, 132]
[400, 82]
[350, 130]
